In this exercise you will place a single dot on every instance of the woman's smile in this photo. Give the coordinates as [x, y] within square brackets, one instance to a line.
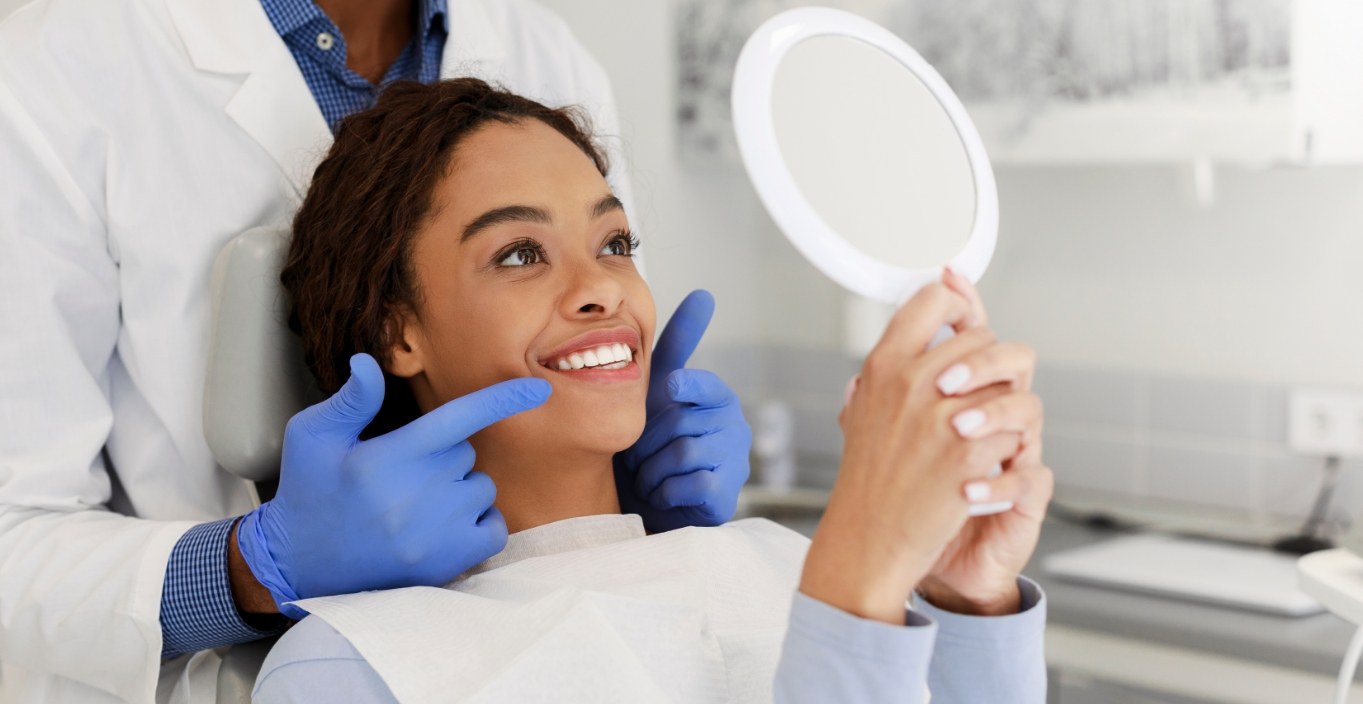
[604, 355]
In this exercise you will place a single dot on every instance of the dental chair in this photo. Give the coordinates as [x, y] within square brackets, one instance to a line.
[256, 381]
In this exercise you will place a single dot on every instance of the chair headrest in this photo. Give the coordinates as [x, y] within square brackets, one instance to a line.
[256, 377]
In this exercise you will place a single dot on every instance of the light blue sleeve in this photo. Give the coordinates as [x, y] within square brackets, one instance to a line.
[831, 655]
[312, 662]
[990, 658]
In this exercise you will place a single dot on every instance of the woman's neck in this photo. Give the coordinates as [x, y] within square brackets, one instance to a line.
[534, 488]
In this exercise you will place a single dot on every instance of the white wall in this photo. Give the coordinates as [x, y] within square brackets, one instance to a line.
[1121, 268]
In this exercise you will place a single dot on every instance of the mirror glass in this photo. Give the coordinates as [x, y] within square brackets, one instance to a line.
[873, 152]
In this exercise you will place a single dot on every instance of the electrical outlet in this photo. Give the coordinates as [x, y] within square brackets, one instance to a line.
[1326, 422]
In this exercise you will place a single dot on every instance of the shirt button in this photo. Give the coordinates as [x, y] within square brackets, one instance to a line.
[325, 41]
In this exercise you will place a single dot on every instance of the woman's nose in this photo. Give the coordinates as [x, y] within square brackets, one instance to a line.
[592, 292]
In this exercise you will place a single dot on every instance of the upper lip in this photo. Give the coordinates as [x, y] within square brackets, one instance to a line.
[629, 337]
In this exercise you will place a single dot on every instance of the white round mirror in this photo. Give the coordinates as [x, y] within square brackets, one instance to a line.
[862, 154]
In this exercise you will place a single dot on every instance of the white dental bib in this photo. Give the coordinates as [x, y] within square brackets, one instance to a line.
[589, 610]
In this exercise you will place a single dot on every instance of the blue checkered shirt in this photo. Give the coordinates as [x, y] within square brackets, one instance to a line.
[197, 610]
[320, 50]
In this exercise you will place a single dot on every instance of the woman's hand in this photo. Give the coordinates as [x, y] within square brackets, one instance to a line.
[977, 572]
[899, 500]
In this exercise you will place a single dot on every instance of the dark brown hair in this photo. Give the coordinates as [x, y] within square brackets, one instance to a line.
[347, 270]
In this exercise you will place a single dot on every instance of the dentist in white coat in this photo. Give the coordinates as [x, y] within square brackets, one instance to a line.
[137, 137]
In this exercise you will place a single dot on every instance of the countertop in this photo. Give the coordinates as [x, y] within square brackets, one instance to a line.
[1315, 643]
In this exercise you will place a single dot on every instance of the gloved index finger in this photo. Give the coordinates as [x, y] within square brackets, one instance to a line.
[678, 341]
[460, 418]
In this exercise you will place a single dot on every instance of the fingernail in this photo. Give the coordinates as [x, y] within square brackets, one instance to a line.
[967, 422]
[953, 379]
[851, 389]
[976, 492]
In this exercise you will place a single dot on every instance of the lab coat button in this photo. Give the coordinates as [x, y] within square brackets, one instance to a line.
[325, 41]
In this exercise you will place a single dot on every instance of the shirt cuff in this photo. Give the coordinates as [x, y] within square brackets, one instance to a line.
[990, 658]
[861, 637]
[831, 655]
[1029, 621]
[197, 610]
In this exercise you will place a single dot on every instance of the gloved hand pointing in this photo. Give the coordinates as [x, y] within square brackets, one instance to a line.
[687, 467]
[402, 509]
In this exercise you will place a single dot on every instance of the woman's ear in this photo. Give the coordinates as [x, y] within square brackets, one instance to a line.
[402, 336]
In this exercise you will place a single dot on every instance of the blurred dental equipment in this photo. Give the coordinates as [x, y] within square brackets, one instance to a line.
[774, 445]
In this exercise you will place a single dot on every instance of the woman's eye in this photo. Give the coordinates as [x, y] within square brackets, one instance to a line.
[521, 256]
[621, 246]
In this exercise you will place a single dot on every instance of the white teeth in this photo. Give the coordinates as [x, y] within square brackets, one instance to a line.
[613, 356]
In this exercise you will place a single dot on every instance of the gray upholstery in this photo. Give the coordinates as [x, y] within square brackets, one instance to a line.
[256, 381]
[256, 377]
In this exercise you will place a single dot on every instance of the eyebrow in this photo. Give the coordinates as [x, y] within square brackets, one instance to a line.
[606, 205]
[498, 216]
[527, 213]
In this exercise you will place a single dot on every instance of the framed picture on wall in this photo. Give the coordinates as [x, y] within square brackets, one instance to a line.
[1057, 81]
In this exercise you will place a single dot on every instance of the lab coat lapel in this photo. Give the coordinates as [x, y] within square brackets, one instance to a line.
[474, 46]
[277, 109]
[273, 103]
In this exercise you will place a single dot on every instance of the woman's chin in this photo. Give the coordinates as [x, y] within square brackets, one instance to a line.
[611, 424]
[575, 424]
[614, 437]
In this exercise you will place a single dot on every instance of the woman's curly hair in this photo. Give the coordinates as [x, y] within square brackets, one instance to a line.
[347, 270]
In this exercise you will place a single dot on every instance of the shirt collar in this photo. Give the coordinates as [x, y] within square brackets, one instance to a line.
[289, 15]
[433, 15]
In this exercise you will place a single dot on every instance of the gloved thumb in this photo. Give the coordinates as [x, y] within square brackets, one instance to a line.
[352, 407]
[678, 341]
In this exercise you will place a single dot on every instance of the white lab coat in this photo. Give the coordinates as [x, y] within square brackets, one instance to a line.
[136, 138]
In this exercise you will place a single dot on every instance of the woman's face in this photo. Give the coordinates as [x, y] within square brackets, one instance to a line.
[524, 269]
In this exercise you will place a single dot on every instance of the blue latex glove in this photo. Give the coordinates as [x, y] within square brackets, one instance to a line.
[687, 467]
[399, 510]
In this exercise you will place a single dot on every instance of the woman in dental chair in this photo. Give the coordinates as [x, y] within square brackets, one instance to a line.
[457, 236]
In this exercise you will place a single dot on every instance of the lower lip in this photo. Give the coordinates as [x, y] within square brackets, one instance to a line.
[629, 372]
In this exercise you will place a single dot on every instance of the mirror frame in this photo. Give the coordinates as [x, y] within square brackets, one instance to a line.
[828, 250]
